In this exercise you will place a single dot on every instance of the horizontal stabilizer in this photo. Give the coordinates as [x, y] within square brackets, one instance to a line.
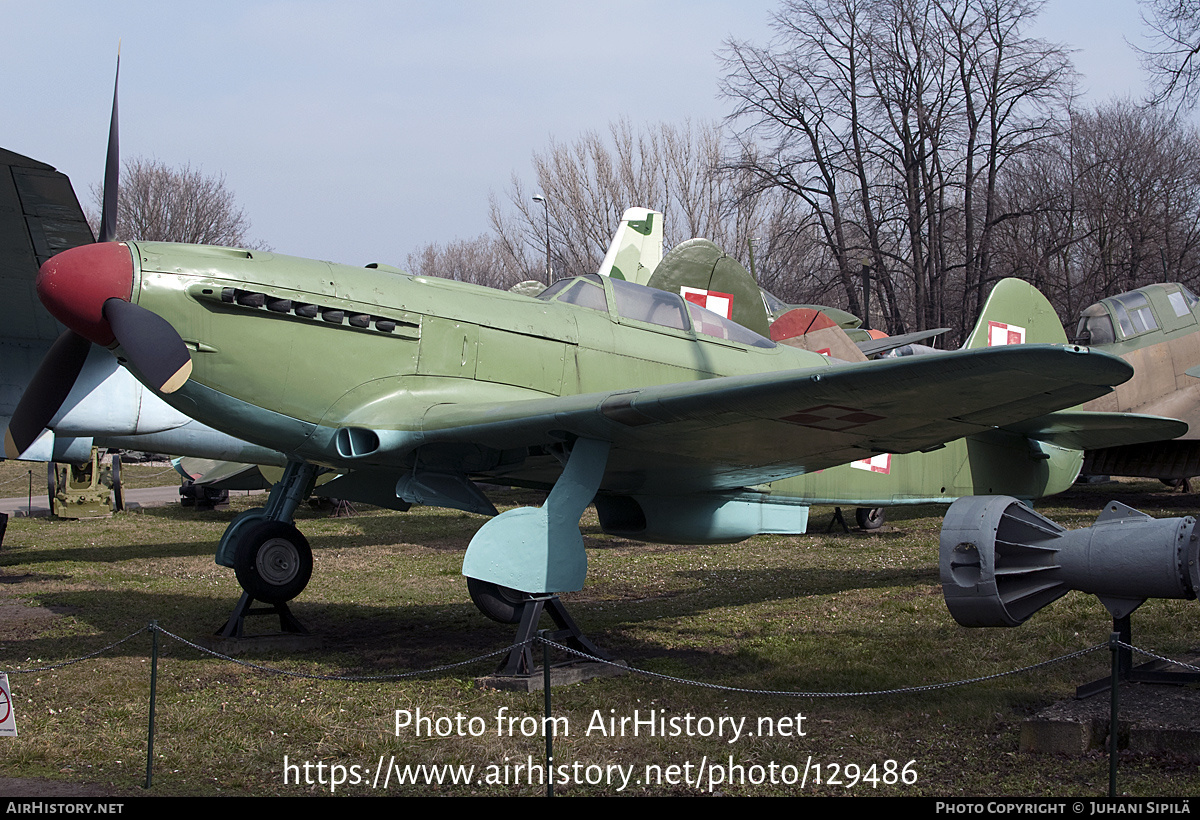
[874, 347]
[1085, 430]
[221, 475]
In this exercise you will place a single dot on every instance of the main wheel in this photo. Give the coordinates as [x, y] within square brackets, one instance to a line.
[273, 562]
[870, 518]
[501, 604]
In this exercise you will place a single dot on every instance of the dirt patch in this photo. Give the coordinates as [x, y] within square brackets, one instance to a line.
[33, 787]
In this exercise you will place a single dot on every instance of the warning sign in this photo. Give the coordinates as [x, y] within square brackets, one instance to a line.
[8, 723]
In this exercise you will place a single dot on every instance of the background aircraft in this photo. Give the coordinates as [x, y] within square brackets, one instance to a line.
[599, 388]
[1039, 460]
[1157, 330]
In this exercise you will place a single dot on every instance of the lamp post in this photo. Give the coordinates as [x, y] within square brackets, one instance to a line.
[546, 208]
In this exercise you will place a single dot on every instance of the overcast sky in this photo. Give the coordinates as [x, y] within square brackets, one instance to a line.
[359, 131]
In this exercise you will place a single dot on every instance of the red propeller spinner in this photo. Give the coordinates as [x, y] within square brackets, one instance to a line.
[75, 284]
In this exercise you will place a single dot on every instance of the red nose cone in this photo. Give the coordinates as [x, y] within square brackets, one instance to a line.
[75, 284]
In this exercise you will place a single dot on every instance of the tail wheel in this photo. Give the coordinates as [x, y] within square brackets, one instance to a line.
[870, 518]
[501, 604]
[273, 562]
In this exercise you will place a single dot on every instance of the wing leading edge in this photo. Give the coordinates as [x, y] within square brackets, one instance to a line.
[738, 431]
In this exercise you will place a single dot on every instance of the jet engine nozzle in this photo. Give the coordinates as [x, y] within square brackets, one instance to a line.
[75, 284]
[1000, 561]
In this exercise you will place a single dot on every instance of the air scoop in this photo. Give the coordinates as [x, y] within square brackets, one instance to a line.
[89, 289]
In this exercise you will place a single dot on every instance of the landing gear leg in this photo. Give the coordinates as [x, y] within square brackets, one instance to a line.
[520, 560]
[117, 490]
[271, 557]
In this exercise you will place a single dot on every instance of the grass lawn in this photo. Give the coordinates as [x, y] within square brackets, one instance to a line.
[816, 613]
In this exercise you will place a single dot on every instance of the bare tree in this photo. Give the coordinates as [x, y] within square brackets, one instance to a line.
[677, 169]
[162, 204]
[1173, 61]
[891, 120]
[483, 260]
[1112, 205]
[801, 99]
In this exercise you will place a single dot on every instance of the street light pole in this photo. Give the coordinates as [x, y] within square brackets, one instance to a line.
[546, 208]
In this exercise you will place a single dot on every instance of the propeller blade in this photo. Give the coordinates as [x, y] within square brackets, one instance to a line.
[150, 344]
[112, 170]
[47, 391]
[56, 375]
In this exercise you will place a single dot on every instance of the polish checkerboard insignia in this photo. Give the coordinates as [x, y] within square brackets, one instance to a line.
[714, 300]
[832, 417]
[1002, 333]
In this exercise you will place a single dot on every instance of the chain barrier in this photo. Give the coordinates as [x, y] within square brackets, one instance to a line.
[314, 676]
[878, 692]
[70, 661]
[24, 478]
[584, 656]
[1131, 648]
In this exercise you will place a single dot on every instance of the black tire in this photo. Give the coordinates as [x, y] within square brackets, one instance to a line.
[117, 491]
[870, 518]
[501, 604]
[273, 562]
[52, 486]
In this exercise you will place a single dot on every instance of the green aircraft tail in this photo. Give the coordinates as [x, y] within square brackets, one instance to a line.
[701, 272]
[636, 247]
[1016, 313]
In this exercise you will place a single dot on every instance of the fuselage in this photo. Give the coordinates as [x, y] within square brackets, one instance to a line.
[1156, 329]
[296, 349]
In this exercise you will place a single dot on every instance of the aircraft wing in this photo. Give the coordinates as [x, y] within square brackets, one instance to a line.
[41, 215]
[738, 431]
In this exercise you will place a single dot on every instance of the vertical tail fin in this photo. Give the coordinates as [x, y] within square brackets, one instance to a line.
[636, 247]
[1016, 313]
[701, 272]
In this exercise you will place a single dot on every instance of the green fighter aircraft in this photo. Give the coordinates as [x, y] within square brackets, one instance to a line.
[673, 419]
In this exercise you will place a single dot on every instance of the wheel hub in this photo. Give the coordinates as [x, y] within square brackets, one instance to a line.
[277, 562]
